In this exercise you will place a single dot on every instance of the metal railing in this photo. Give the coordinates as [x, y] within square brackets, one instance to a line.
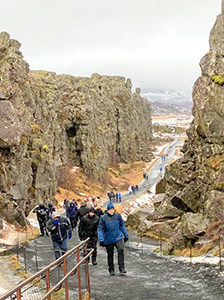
[45, 275]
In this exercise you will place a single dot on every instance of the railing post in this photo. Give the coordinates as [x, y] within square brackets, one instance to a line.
[190, 254]
[48, 283]
[17, 252]
[160, 243]
[141, 243]
[220, 254]
[87, 270]
[18, 295]
[24, 253]
[78, 274]
[66, 281]
[36, 255]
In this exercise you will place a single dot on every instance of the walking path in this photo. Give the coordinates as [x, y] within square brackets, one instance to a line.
[148, 276]
[154, 175]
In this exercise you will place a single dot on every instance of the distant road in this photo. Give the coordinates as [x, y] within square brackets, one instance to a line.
[154, 175]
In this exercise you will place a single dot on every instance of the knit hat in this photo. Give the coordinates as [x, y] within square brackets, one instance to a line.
[109, 206]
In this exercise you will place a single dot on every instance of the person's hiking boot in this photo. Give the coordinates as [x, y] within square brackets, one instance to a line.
[112, 273]
[122, 271]
[94, 261]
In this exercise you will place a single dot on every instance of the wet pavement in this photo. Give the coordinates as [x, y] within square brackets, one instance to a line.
[149, 276]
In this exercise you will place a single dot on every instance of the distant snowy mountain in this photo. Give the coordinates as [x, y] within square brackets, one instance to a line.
[167, 102]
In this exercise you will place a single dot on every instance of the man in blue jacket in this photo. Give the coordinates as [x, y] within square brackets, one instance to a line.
[110, 232]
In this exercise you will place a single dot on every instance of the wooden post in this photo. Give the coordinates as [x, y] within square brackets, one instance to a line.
[48, 283]
[78, 275]
[87, 271]
[66, 281]
[220, 253]
[160, 243]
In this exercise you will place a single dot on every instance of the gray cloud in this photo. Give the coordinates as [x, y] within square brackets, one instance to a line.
[156, 43]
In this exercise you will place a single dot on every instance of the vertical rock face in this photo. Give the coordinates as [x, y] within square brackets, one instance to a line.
[48, 121]
[195, 183]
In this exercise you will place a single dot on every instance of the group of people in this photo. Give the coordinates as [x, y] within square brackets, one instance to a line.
[133, 189]
[112, 197]
[108, 227]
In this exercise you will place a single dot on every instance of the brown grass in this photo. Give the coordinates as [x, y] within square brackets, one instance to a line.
[75, 184]
[195, 251]
[153, 236]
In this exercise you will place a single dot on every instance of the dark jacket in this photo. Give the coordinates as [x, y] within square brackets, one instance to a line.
[41, 211]
[88, 227]
[50, 210]
[59, 232]
[71, 211]
[99, 212]
[82, 211]
[111, 229]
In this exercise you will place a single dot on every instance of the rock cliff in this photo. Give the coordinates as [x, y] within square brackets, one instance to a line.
[48, 121]
[194, 184]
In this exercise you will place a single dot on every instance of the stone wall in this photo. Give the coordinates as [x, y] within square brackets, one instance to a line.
[48, 121]
[195, 183]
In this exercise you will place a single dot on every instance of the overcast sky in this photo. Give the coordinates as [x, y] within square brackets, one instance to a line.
[157, 43]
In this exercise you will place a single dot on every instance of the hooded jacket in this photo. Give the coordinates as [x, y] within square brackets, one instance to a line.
[59, 231]
[111, 229]
[71, 211]
[88, 227]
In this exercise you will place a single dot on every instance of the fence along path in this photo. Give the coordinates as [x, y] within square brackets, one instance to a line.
[44, 283]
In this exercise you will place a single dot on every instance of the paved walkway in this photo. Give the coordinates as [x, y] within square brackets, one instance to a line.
[149, 277]
[154, 175]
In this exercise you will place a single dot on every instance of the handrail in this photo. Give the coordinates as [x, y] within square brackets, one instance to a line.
[66, 276]
[44, 270]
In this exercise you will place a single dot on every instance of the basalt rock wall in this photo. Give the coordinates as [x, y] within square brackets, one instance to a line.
[195, 183]
[48, 121]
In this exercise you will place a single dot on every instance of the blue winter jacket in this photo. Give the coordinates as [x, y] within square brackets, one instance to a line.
[71, 211]
[111, 229]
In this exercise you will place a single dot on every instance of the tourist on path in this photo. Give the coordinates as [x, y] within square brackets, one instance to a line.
[99, 212]
[66, 204]
[60, 229]
[82, 211]
[71, 214]
[110, 233]
[50, 210]
[116, 197]
[88, 229]
[42, 217]
[119, 196]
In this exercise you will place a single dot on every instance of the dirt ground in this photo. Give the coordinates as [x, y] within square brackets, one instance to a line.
[78, 185]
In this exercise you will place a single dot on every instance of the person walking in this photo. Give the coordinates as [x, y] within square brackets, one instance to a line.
[66, 204]
[116, 196]
[88, 229]
[119, 196]
[82, 211]
[42, 217]
[71, 214]
[50, 210]
[110, 233]
[99, 212]
[59, 229]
